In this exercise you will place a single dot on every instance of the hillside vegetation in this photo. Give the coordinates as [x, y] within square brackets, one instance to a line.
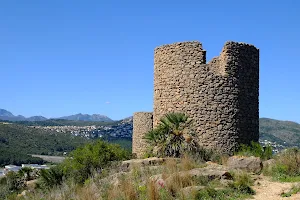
[283, 132]
[183, 170]
[16, 141]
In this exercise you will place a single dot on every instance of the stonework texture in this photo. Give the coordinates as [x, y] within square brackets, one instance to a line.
[142, 123]
[221, 96]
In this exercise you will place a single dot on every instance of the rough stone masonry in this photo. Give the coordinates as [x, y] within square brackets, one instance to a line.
[221, 96]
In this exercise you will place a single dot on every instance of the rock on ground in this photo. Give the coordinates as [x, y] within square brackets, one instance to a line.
[249, 164]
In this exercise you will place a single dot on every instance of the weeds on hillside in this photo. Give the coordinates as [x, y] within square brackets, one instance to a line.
[255, 149]
[242, 182]
[10, 184]
[150, 182]
[286, 166]
[224, 194]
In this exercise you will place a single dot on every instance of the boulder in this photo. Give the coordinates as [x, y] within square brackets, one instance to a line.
[249, 164]
[210, 173]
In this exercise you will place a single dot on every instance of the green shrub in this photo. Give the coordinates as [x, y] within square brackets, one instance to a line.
[14, 181]
[207, 193]
[26, 172]
[255, 149]
[51, 177]
[4, 189]
[242, 183]
[92, 157]
[224, 194]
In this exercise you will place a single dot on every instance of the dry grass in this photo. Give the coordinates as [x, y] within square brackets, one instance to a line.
[177, 181]
[133, 185]
[152, 191]
[88, 192]
[187, 163]
[286, 167]
[170, 166]
[128, 190]
[224, 159]
[291, 159]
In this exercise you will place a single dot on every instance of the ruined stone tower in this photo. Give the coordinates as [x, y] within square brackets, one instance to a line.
[220, 96]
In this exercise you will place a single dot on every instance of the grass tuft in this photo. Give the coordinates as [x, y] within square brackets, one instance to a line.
[286, 167]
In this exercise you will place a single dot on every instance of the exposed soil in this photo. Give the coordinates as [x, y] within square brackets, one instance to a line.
[270, 190]
[54, 159]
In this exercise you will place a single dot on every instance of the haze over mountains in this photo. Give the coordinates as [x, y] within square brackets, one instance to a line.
[6, 115]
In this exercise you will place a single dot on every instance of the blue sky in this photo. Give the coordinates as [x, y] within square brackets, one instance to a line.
[64, 57]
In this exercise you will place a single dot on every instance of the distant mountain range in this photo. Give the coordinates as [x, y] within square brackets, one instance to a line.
[286, 133]
[6, 115]
[86, 117]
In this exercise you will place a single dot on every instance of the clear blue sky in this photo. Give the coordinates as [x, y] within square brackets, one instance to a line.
[64, 57]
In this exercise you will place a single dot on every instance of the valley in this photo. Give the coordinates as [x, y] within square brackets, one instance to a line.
[58, 136]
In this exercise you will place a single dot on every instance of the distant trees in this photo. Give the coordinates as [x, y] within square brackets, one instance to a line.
[17, 141]
[17, 158]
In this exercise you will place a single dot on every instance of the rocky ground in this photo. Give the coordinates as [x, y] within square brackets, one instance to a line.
[181, 176]
[265, 188]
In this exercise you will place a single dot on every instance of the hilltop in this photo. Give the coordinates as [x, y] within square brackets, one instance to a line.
[286, 133]
[7, 115]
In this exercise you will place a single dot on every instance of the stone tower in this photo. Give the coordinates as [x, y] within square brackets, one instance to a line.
[142, 123]
[221, 96]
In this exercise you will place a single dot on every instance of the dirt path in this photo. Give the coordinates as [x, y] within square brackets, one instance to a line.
[268, 190]
[54, 159]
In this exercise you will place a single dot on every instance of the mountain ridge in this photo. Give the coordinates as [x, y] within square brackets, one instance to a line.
[7, 115]
[86, 117]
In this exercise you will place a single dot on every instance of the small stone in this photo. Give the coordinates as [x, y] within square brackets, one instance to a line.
[220, 127]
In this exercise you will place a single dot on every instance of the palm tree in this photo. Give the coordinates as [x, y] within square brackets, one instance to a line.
[173, 135]
[176, 123]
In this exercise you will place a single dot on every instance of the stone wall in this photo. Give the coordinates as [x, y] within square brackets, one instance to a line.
[221, 96]
[142, 123]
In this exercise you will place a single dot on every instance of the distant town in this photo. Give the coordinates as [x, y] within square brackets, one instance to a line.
[276, 148]
[120, 130]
